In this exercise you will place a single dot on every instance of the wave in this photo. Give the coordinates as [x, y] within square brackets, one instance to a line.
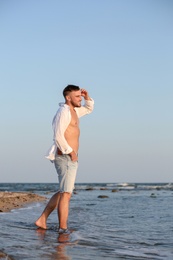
[48, 188]
[125, 186]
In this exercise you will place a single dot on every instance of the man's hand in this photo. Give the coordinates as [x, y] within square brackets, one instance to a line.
[84, 93]
[73, 156]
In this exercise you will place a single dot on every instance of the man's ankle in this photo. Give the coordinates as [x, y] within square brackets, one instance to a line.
[63, 231]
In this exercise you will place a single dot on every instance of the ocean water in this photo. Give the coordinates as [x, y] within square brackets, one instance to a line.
[133, 222]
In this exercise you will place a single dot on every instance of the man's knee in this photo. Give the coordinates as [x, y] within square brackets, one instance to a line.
[66, 195]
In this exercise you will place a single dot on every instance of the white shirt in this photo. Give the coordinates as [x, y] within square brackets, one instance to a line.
[60, 123]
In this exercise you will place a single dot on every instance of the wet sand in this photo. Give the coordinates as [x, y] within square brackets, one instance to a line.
[12, 200]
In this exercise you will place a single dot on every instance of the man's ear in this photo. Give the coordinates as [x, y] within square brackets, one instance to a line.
[68, 98]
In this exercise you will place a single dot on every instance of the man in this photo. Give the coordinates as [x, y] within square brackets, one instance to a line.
[64, 152]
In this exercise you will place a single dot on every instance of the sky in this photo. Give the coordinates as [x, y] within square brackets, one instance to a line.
[121, 51]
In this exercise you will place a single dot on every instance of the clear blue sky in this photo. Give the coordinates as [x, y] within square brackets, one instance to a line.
[121, 51]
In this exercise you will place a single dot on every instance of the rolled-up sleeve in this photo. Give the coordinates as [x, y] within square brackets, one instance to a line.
[87, 108]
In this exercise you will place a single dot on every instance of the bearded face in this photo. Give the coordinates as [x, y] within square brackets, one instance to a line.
[74, 98]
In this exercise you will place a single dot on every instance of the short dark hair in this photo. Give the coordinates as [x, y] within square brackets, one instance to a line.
[70, 88]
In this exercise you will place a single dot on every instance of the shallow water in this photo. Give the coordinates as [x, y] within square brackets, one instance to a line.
[133, 223]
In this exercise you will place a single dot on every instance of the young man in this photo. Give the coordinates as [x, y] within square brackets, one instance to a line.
[64, 152]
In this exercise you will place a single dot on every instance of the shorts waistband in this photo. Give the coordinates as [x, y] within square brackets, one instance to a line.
[60, 153]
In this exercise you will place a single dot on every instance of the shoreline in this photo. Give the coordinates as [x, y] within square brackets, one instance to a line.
[13, 200]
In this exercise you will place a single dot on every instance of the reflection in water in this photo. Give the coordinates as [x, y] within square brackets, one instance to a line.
[41, 233]
[60, 250]
[63, 239]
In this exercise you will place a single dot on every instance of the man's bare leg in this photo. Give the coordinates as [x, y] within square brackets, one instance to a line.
[52, 204]
[63, 209]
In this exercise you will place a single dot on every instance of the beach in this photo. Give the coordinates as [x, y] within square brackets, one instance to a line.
[112, 221]
[12, 200]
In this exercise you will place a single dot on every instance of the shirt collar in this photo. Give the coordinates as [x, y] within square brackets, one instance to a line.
[62, 104]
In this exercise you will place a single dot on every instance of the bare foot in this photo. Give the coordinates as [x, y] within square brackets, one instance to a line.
[41, 223]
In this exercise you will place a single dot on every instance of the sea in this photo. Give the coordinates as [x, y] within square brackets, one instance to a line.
[108, 221]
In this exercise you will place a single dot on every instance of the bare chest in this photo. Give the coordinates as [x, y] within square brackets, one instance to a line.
[74, 119]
